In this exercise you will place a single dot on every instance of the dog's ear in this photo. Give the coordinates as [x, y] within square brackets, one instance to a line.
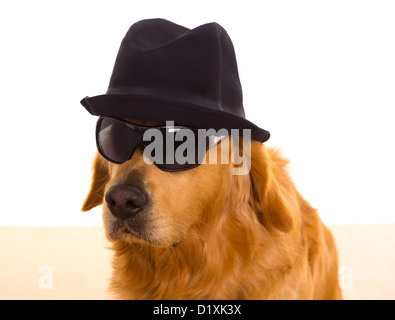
[99, 180]
[272, 188]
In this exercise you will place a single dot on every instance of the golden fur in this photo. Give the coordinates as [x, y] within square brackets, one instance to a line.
[239, 236]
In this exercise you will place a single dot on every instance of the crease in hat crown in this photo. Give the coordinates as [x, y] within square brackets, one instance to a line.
[164, 71]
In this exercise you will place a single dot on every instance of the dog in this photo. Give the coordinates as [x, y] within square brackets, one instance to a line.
[206, 233]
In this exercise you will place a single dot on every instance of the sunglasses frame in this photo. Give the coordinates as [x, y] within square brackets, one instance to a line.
[142, 129]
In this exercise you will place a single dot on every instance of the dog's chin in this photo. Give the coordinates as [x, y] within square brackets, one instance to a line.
[128, 235]
[120, 231]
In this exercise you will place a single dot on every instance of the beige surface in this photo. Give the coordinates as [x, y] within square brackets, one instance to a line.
[369, 251]
[76, 263]
[76, 257]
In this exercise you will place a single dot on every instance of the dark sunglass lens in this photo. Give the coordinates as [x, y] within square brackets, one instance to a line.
[180, 149]
[116, 140]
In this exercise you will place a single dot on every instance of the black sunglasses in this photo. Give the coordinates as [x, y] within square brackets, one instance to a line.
[169, 147]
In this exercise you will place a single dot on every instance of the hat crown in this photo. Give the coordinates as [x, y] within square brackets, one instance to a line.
[159, 57]
[164, 71]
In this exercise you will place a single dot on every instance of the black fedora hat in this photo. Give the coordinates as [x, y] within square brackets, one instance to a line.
[165, 71]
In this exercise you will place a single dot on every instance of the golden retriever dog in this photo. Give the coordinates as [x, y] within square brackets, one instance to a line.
[206, 233]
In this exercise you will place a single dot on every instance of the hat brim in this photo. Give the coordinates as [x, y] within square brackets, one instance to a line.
[181, 112]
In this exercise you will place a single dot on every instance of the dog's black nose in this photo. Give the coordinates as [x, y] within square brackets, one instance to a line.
[125, 201]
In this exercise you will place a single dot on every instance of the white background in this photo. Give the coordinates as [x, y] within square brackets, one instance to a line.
[319, 75]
